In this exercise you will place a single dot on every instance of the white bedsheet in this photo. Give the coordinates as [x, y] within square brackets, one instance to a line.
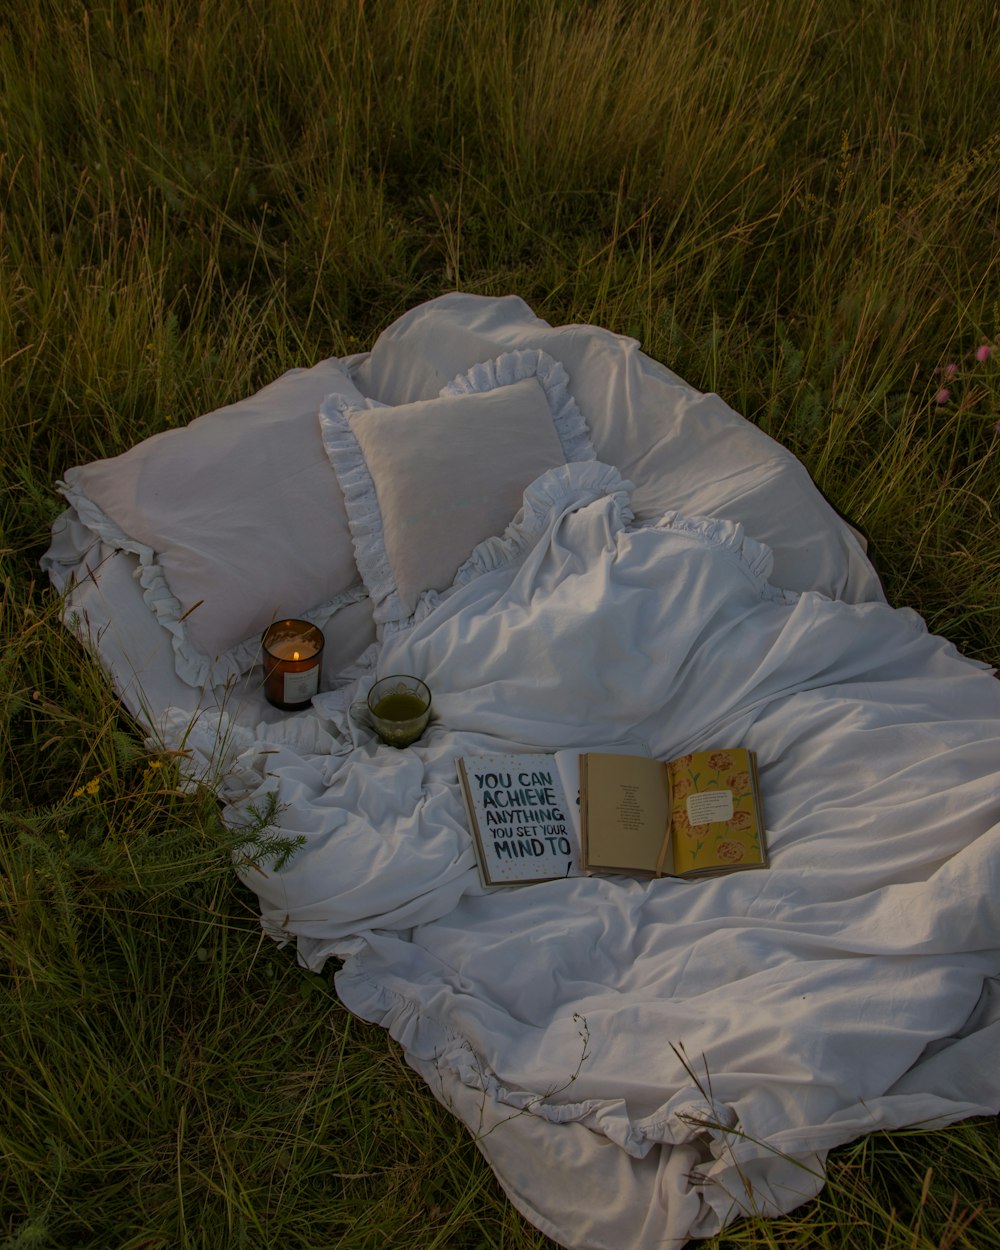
[642, 1061]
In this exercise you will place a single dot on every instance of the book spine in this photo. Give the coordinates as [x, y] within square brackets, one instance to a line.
[470, 807]
[664, 851]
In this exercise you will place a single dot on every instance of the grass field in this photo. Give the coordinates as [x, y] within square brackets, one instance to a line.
[793, 204]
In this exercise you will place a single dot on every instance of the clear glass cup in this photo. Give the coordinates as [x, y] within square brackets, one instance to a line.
[397, 709]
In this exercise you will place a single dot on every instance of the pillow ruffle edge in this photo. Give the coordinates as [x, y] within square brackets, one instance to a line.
[361, 501]
[193, 666]
[515, 366]
[358, 488]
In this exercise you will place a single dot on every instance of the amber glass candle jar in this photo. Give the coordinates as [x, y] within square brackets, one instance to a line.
[293, 655]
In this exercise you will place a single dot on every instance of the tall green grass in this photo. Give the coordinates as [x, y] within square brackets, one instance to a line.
[793, 204]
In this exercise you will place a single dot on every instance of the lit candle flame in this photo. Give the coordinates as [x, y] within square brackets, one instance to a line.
[295, 655]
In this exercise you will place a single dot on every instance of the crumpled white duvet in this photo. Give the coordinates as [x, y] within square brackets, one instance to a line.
[643, 1061]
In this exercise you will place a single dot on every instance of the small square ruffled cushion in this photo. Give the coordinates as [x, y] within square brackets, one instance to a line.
[236, 519]
[426, 482]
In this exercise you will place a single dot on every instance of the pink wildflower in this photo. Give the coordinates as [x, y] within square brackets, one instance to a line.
[950, 370]
[983, 352]
[942, 396]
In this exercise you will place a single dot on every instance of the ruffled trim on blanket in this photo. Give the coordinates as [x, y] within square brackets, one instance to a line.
[690, 1116]
[192, 665]
[755, 559]
[577, 484]
[360, 496]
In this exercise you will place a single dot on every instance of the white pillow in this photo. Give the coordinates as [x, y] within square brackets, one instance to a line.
[425, 482]
[683, 450]
[236, 520]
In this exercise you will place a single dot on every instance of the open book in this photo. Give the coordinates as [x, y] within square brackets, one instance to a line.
[535, 817]
[695, 816]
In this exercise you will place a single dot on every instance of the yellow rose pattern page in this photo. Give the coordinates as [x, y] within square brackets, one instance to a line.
[716, 823]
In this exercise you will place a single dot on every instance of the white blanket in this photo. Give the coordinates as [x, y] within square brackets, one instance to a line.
[642, 1061]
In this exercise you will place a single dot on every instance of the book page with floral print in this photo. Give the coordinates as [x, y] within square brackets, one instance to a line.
[716, 822]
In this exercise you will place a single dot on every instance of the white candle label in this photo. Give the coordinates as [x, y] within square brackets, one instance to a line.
[300, 687]
[714, 805]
